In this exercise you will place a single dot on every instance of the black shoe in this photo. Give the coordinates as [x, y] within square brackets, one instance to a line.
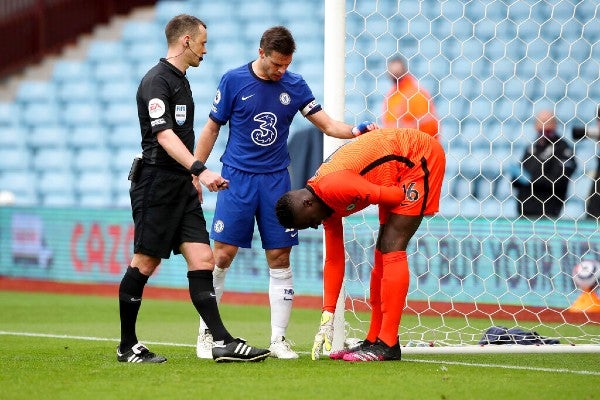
[238, 350]
[139, 354]
[379, 351]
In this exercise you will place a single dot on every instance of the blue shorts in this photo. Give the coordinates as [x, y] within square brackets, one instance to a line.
[251, 196]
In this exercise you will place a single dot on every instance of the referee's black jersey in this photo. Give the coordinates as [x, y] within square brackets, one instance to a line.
[164, 101]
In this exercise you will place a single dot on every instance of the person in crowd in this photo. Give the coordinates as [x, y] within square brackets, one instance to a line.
[407, 104]
[542, 179]
[592, 203]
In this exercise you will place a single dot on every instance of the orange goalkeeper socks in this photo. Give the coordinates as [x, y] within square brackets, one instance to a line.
[375, 297]
[394, 288]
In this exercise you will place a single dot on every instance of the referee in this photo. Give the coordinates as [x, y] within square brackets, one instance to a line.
[165, 197]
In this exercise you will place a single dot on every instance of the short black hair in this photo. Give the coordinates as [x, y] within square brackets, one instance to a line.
[283, 209]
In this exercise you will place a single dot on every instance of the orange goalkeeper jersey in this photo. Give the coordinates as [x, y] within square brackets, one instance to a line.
[401, 170]
[372, 169]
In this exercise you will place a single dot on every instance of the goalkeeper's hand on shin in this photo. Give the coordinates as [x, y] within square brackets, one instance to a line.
[324, 336]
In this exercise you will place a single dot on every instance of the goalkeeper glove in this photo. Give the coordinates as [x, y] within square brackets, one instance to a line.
[324, 336]
[363, 127]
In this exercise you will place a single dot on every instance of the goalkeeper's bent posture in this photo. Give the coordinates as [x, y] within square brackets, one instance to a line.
[401, 170]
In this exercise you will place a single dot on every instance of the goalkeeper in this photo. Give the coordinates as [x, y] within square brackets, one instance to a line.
[401, 170]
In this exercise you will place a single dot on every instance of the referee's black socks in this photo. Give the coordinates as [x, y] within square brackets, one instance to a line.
[202, 293]
[130, 300]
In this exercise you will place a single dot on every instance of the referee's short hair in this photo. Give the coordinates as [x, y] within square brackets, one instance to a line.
[182, 24]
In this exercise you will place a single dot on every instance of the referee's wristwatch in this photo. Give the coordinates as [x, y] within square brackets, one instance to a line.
[197, 168]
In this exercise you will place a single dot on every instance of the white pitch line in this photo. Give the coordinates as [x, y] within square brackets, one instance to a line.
[464, 364]
[90, 338]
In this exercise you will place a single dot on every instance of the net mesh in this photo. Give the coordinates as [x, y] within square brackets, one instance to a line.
[489, 66]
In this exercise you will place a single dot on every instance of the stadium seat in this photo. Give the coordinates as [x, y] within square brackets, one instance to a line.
[460, 68]
[116, 114]
[70, 71]
[97, 159]
[105, 51]
[574, 209]
[94, 189]
[120, 188]
[450, 88]
[82, 91]
[418, 27]
[57, 159]
[165, 10]
[122, 158]
[481, 109]
[452, 10]
[57, 188]
[308, 29]
[9, 114]
[12, 138]
[117, 91]
[15, 158]
[304, 9]
[494, 50]
[258, 10]
[149, 52]
[87, 136]
[39, 113]
[472, 49]
[47, 137]
[77, 113]
[30, 91]
[528, 29]
[22, 184]
[484, 28]
[142, 31]
[124, 136]
[113, 72]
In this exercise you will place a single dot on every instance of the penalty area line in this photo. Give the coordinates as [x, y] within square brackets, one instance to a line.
[514, 367]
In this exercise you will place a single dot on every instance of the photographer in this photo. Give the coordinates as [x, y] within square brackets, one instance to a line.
[592, 203]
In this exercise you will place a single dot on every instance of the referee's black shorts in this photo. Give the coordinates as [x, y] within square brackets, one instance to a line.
[166, 212]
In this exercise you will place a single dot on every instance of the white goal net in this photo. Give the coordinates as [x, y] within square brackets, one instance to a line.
[489, 66]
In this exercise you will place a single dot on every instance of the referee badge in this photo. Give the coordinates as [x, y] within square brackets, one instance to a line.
[180, 113]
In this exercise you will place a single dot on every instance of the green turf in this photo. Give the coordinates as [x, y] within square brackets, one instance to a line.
[36, 367]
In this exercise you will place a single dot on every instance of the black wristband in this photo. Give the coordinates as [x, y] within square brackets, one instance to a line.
[197, 167]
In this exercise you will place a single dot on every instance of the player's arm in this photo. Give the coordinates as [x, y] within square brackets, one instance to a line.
[206, 140]
[177, 150]
[342, 186]
[338, 129]
[333, 278]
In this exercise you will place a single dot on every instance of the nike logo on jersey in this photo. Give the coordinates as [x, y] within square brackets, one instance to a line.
[244, 98]
[294, 234]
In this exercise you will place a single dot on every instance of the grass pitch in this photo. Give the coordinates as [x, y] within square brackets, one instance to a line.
[63, 347]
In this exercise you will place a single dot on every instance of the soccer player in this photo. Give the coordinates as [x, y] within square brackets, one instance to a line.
[259, 101]
[401, 170]
[165, 204]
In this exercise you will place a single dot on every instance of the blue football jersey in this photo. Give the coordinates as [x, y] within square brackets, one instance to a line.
[259, 113]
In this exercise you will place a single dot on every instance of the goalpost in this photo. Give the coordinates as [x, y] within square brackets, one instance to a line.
[489, 65]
